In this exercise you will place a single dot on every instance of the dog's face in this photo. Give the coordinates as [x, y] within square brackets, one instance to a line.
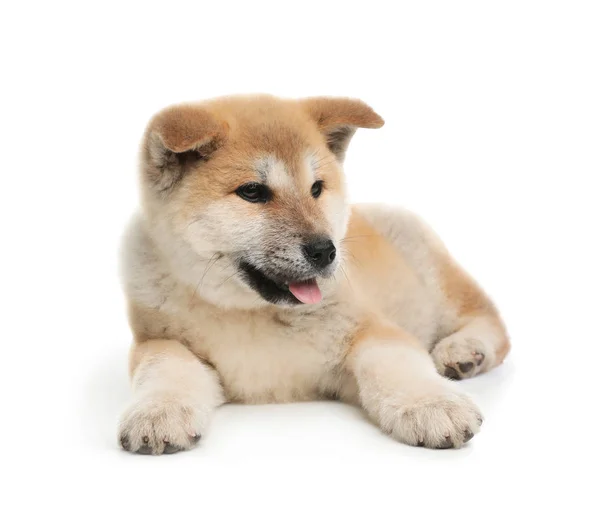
[247, 195]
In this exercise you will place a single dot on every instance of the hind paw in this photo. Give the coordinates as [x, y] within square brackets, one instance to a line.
[458, 358]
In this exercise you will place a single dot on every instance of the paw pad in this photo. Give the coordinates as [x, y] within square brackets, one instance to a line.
[170, 448]
[124, 441]
[451, 373]
[446, 444]
[144, 449]
[465, 367]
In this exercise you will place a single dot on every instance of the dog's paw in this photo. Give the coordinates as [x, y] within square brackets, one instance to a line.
[460, 357]
[439, 420]
[161, 424]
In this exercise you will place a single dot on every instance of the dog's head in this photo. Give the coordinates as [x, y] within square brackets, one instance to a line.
[245, 195]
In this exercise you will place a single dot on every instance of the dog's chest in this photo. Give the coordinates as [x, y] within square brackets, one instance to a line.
[274, 357]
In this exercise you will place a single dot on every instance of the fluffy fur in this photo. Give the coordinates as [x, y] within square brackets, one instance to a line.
[397, 319]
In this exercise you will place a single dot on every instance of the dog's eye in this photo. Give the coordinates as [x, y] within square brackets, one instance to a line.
[253, 192]
[316, 189]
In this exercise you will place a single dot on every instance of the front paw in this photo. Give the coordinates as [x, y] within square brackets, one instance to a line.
[161, 424]
[439, 420]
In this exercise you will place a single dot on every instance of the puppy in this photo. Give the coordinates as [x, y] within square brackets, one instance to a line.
[251, 279]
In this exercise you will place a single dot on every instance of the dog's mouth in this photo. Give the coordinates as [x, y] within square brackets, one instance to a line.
[290, 291]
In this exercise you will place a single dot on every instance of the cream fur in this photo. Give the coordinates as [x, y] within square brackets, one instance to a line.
[204, 337]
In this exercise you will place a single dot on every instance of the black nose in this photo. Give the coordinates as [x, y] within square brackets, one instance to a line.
[320, 252]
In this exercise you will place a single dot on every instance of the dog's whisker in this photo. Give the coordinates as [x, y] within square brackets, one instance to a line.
[216, 258]
[226, 279]
[348, 238]
[348, 254]
[347, 278]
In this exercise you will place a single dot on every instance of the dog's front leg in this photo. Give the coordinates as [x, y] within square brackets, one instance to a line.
[174, 394]
[400, 389]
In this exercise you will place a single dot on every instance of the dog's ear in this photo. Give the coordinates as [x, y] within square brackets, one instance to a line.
[177, 140]
[338, 118]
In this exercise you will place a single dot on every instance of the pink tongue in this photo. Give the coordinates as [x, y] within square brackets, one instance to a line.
[306, 292]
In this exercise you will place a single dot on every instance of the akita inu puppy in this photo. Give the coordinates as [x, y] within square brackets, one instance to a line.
[251, 279]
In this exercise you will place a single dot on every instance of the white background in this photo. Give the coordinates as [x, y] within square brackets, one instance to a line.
[492, 134]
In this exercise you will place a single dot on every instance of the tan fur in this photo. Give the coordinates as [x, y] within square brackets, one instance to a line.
[396, 311]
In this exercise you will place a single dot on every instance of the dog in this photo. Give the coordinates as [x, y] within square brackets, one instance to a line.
[250, 278]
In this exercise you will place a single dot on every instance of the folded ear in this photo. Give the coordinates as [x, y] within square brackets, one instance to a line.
[177, 140]
[338, 118]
